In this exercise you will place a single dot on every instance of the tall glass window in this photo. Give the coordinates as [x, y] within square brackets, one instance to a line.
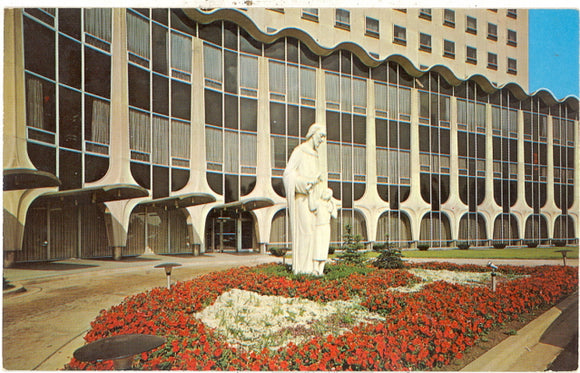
[231, 108]
[159, 101]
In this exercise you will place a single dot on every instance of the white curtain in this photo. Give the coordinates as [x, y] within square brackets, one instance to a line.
[345, 93]
[181, 52]
[332, 87]
[496, 117]
[140, 131]
[100, 122]
[405, 164]
[308, 83]
[333, 155]
[160, 141]
[212, 62]
[359, 160]
[98, 23]
[405, 101]
[481, 115]
[138, 35]
[180, 139]
[383, 162]
[293, 91]
[381, 96]
[35, 108]
[278, 230]
[393, 102]
[360, 92]
[249, 72]
[346, 151]
[278, 152]
[213, 144]
[277, 74]
[231, 158]
[249, 148]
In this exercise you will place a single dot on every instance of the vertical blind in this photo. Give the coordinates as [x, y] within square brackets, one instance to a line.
[100, 122]
[98, 23]
[160, 141]
[139, 130]
[180, 134]
[180, 52]
[214, 143]
[212, 62]
[34, 104]
[138, 35]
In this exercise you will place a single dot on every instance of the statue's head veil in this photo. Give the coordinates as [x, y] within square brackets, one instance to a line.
[314, 127]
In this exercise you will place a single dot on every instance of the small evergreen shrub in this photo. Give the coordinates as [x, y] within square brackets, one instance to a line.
[559, 243]
[531, 243]
[463, 245]
[352, 248]
[389, 259]
[423, 246]
[499, 245]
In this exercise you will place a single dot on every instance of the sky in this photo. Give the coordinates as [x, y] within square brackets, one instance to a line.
[553, 51]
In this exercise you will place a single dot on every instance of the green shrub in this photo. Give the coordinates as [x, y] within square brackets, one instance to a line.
[423, 246]
[559, 243]
[279, 251]
[463, 245]
[331, 250]
[531, 243]
[389, 259]
[499, 245]
[351, 253]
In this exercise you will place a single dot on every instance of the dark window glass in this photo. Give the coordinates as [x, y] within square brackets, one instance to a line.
[231, 192]
[213, 107]
[345, 62]
[160, 94]
[230, 35]
[333, 125]
[383, 191]
[231, 72]
[248, 44]
[160, 182]
[159, 49]
[70, 119]
[358, 191]
[69, 22]
[444, 141]
[276, 50]
[346, 127]
[247, 184]
[307, 118]
[42, 157]
[231, 111]
[335, 186]
[292, 53]
[140, 172]
[380, 72]
[330, 62]
[394, 134]
[277, 118]
[381, 132]
[307, 57]
[69, 66]
[98, 73]
[292, 124]
[182, 23]
[424, 137]
[39, 44]
[143, 11]
[462, 143]
[95, 167]
[359, 129]
[404, 136]
[278, 186]
[48, 105]
[249, 113]
[138, 87]
[359, 68]
[179, 178]
[347, 196]
[214, 181]
[211, 32]
[181, 100]
[160, 15]
[70, 170]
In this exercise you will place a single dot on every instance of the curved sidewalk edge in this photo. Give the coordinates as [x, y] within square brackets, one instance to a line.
[536, 345]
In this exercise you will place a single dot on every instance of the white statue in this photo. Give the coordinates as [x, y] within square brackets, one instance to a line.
[304, 176]
[324, 208]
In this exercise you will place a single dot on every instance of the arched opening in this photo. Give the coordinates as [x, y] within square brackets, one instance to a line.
[536, 229]
[229, 231]
[435, 229]
[472, 229]
[158, 229]
[351, 217]
[395, 227]
[505, 230]
[564, 228]
[280, 234]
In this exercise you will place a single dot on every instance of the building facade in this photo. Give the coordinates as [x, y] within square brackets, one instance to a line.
[168, 130]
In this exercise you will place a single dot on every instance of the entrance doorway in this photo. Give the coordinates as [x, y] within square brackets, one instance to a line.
[229, 232]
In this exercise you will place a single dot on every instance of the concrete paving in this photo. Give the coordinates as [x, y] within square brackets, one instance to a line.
[44, 325]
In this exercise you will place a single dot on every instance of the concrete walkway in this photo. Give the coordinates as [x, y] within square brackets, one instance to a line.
[75, 290]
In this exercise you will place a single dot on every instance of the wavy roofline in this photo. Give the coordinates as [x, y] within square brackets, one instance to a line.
[241, 19]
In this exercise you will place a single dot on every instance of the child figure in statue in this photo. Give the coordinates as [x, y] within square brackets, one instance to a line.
[324, 209]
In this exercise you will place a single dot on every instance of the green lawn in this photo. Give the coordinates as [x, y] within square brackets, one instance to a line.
[519, 253]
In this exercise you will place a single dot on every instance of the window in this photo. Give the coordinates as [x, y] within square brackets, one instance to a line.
[400, 35]
[512, 13]
[402, 10]
[449, 17]
[425, 42]
[512, 66]
[310, 14]
[277, 10]
[512, 38]
[491, 31]
[425, 13]
[471, 25]
[492, 61]
[372, 27]
[342, 19]
[471, 55]
[448, 49]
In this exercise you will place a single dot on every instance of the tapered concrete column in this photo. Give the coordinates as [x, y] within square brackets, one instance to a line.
[454, 207]
[550, 209]
[415, 206]
[521, 210]
[264, 169]
[574, 211]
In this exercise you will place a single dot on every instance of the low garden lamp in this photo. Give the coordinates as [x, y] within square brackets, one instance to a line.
[564, 253]
[493, 274]
[168, 267]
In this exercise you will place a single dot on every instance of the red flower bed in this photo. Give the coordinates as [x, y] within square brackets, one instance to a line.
[422, 330]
